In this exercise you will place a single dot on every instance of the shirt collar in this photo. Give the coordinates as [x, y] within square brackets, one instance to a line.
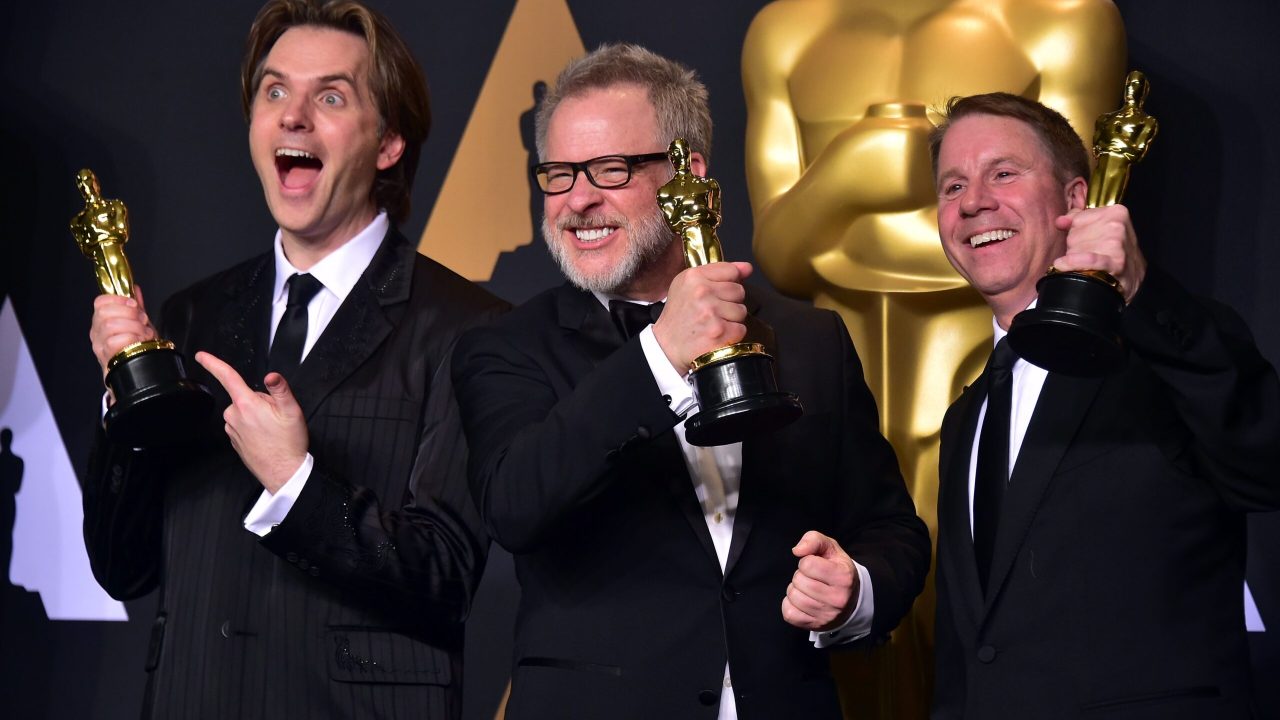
[341, 269]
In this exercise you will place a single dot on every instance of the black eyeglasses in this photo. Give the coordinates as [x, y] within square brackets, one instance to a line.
[610, 171]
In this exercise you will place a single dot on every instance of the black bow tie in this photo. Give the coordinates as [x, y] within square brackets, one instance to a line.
[631, 318]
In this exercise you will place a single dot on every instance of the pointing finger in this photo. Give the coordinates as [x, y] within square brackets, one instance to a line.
[226, 376]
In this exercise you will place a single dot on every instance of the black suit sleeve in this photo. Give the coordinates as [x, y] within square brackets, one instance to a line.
[539, 452]
[123, 502]
[1225, 392]
[880, 527]
[122, 511]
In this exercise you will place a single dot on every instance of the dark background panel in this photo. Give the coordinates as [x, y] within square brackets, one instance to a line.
[146, 93]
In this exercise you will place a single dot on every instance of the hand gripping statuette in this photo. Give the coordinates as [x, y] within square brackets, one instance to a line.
[155, 403]
[1074, 328]
[735, 386]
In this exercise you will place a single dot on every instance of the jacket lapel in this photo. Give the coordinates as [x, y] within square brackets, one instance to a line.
[1059, 411]
[244, 322]
[953, 500]
[360, 325]
[758, 463]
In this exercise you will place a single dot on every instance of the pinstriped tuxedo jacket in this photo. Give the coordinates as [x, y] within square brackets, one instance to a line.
[353, 606]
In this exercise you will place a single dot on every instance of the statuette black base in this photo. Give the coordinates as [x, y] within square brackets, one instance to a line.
[155, 402]
[739, 399]
[1074, 329]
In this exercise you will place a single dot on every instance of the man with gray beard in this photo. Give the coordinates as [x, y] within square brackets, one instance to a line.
[660, 579]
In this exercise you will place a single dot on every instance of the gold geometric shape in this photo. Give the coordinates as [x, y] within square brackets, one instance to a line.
[481, 211]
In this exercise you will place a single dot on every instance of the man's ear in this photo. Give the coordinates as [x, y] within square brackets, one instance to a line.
[390, 149]
[1077, 193]
[697, 164]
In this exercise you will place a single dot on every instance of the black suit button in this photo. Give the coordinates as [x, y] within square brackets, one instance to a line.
[728, 594]
[708, 697]
[642, 432]
[666, 399]
[314, 571]
[303, 564]
[225, 629]
[291, 557]
[986, 654]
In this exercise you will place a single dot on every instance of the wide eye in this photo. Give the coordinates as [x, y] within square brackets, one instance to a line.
[332, 99]
[275, 92]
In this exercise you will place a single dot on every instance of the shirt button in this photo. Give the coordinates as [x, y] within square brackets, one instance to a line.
[986, 654]
[718, 517]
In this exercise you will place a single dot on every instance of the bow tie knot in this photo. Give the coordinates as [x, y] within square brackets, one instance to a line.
[631, 318]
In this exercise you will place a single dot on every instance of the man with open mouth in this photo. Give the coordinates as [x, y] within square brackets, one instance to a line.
[315, 546]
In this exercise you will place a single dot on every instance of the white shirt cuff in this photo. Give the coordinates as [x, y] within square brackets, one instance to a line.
[270, 509]
[858, 625]
[670, 382]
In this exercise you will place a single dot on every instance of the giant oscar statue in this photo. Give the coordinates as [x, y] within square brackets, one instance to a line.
[844, 202]
[154, 402]
[736, 388]
[1075, 326]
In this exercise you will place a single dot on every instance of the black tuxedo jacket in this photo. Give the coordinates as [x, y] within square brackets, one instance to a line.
[1116, 582]
[624, 611]
[353, 606]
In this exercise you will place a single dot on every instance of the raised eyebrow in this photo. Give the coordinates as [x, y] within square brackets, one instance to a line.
[338, 77]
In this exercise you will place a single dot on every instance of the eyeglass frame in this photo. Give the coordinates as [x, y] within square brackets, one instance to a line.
[581, 168]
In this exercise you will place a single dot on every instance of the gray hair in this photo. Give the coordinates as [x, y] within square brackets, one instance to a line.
[679, 99]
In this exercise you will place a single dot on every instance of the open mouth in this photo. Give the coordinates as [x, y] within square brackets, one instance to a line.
[990, 236]
[297, 168]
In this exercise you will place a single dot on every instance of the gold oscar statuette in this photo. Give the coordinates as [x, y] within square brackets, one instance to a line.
[736, 386]
[1075, 327]
[154, 401]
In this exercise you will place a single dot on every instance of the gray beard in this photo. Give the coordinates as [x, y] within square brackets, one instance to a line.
[647, 239]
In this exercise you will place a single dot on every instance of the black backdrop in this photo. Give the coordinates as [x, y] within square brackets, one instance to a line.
[146, 94]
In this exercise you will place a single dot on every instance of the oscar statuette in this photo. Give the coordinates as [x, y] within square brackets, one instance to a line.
[735, 386]
[1075, 327]
[154, 401]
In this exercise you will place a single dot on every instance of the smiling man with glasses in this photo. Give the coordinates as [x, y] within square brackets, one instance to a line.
[660, 579]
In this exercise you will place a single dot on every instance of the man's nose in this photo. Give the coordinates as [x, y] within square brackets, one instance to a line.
[296, 114]
[977, 197]
[583, 195]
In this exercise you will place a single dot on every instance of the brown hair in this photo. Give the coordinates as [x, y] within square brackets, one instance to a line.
[679, 99]
[396, 82]
[1070, 160]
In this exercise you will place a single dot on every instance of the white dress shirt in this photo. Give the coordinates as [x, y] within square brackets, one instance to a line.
[1028, 381]
[338, 272]
[717, 473]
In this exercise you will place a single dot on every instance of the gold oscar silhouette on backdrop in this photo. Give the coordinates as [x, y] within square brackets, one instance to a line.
[838, 113]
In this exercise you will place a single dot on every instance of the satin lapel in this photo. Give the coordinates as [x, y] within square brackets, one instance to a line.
[758, 464]
[592, 337]
[244, 323]
[955, 531]
[1059, 411]
[360, 325]
[589, 329]
[668, 460]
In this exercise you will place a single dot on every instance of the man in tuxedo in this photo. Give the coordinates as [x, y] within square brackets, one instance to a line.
[315, 545]
[1091, 543]
[660, 579]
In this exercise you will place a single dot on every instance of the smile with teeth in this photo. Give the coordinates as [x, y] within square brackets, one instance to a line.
[990, 236]
[590, 235]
